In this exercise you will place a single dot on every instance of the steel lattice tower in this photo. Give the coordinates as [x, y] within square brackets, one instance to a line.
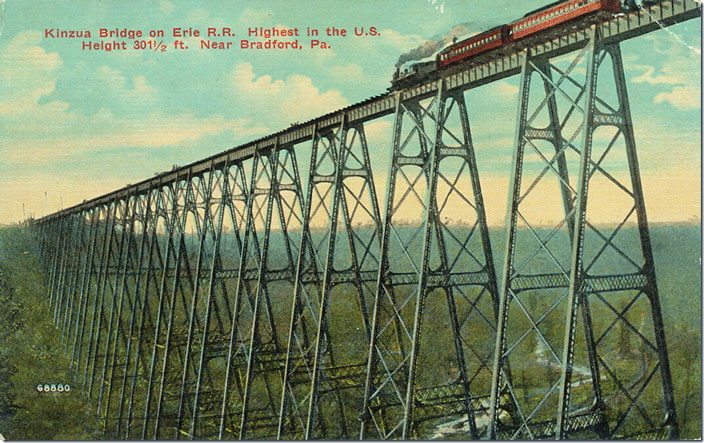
[569, 287]
[430, 260]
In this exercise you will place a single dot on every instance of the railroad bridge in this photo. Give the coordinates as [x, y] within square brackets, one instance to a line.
[244, 296]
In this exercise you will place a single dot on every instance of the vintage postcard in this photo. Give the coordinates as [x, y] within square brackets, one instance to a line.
[409, 219]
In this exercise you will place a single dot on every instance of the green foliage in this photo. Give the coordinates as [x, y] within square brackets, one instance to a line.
[32, 353]
[32, 350]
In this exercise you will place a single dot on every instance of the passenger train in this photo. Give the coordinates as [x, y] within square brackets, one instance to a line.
[532, 24]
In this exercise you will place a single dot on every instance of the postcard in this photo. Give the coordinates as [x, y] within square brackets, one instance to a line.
[410, 219]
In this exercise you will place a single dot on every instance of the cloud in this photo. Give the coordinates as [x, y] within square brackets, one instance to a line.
[679, 71]
[505, 89]
[22, 56]
[41, 129]
[378, 133]
[72, 134]
[111, 77]
[660, 79]
[685, 98]
[139, 95]
[280, 102]
[401, 42]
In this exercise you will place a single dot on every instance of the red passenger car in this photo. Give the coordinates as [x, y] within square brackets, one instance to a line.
[558, 14]
[493, 38]
[532, 23]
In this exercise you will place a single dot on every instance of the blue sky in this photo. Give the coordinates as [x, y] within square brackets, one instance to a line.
[76, 124]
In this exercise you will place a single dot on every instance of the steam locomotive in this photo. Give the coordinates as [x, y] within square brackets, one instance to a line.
[533, 23]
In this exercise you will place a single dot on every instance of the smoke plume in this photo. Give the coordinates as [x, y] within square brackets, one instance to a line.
[436, 43]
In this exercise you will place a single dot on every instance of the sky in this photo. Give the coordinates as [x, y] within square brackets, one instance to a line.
[76, 124]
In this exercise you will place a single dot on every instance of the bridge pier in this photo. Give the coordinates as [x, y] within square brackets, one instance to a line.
[264, 373]
[433, 172]
[544, 290]
[341, 196]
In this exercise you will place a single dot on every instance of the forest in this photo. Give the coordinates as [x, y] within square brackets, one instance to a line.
[34, 351]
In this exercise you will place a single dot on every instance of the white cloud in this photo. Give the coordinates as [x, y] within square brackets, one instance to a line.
[685, 98]
[506, 89]
[44, 130]
[648, 77]
[402, 42]
[281, 102]
[112, 78]
[72, 134]
[140, 95]
[378, 134]
[27, 72]
[680, 70]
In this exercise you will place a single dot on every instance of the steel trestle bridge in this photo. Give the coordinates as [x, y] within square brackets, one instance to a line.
[236, 298]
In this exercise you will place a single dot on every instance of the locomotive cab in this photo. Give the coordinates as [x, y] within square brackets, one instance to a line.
[415, 71]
